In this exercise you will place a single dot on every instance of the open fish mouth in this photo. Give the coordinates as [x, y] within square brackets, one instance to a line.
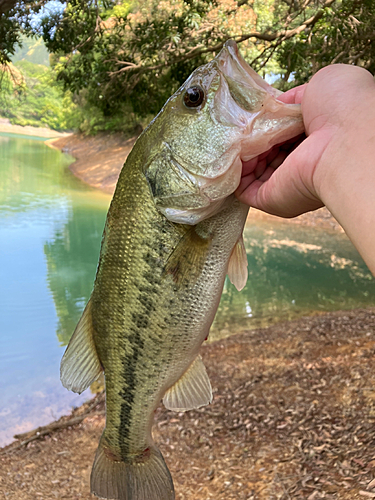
[254, 106]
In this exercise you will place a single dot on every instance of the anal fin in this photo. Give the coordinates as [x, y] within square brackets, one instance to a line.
[80, 365]
[237, 267]
[191, 391]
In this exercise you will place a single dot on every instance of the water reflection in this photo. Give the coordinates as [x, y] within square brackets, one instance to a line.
[50, 232]
[293, 271]
[72, 255]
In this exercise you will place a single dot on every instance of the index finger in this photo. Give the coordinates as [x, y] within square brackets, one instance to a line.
[293, 96]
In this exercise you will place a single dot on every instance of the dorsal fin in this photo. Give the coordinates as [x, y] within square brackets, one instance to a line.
[80, 365]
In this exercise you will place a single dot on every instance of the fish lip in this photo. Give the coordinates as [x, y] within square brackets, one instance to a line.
[232, 67]
[230, 48]
[230, 53]
[230, 59]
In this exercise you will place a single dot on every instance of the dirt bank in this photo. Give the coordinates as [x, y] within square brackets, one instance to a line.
[7, 127]
[99, 158]
[292, 418]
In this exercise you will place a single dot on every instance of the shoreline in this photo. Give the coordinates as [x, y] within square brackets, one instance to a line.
[41, 132]
[100, 158]
[293, 410]
[286, 400]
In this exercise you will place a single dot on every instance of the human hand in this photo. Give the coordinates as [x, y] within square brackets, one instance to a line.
[297, 177]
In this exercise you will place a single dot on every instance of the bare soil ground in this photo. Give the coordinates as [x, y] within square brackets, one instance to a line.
[7, 127]
[292, 418]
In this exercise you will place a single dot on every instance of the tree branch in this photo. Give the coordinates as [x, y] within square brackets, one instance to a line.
[64, 422]
[280, 36]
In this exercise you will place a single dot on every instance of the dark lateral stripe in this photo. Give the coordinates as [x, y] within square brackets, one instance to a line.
[140, 324]
[130, 370]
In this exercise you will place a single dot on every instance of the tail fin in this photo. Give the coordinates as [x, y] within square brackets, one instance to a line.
[144, 477]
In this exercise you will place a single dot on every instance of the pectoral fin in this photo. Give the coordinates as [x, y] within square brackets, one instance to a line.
[186, 262]
[192, 390]
[237, 268]
[80, 365]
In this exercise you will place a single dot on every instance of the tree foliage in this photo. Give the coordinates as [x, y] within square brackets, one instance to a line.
[131, 53]
[30, 96]
[15, 20]
[134, 55]
[122, 59]
[344, 34]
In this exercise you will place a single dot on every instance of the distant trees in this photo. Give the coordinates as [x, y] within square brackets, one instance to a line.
[125, 58]
[29, 96]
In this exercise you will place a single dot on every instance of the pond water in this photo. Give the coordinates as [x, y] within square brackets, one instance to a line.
[50, 232]
[293, 271]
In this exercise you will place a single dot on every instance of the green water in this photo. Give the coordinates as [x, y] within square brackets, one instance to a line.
[50, 233]
[293, 271]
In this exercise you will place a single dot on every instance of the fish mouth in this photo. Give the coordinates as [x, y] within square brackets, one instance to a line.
[231, 63]
[264, 119]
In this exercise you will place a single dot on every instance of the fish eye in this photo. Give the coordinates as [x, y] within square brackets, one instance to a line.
[193, 97]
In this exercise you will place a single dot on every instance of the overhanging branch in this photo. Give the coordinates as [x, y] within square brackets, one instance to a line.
[278, 37]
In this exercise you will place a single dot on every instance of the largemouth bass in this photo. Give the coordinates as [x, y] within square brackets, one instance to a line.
[173, 232]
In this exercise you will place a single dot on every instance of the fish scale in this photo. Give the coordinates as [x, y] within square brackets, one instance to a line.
[173, 231]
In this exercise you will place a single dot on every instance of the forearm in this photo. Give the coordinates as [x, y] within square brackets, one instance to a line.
[345, 180]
